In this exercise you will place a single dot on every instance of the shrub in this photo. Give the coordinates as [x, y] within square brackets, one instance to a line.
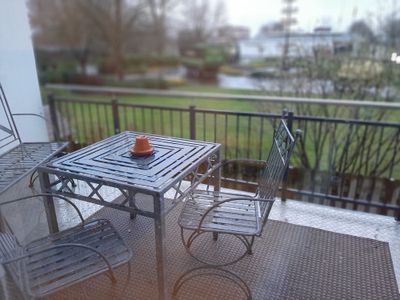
[88, 80]
[61, 73]
[228, 70]
[141, 83]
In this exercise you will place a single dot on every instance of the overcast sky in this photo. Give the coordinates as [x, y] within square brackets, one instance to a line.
[338, 14]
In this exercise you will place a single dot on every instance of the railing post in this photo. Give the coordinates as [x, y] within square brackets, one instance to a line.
[192, 121]
[390, 191]
[290, 121]
[53, 117]
[114, 107]
[285, 177]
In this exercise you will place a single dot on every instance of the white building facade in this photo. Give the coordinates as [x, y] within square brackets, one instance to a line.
[18, 74]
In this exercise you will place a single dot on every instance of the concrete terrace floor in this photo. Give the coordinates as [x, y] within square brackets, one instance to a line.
[28, 219]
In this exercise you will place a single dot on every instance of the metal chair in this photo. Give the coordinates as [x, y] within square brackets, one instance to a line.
[242, 216]
[18, 159]
[49, 264]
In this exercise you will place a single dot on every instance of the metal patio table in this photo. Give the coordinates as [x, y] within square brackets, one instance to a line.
[109, 163]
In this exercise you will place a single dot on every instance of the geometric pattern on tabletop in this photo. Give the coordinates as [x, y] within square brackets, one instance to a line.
[111, 160]
[294, 262]
[23, 159]
[110, 163]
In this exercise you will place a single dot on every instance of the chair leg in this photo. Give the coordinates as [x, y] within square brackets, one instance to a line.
[217, 273]
[32, 179]
[250, 246]
[67, 181]
[247, 242]
[187, 243]
[132, 204]
[215, 236]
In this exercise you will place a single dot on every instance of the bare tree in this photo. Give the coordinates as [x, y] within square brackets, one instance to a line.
[364, 38]
[362, 29]
[202, 19]
[60, 24]
[289, 11]
[390, 30]
[336, 156]
[115, 21]
[159, 11]
[81, 25]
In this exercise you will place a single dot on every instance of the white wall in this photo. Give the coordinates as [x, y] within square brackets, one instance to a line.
[18, 70]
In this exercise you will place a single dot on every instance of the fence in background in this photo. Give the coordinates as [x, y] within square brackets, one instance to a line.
[339, 162]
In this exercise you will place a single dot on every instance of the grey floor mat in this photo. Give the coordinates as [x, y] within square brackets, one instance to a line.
[289, 262]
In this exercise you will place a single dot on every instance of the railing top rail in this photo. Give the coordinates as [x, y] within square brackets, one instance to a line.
[195, 95]
[122, 104]
[346, 121]
[82, 100]
[235, 113]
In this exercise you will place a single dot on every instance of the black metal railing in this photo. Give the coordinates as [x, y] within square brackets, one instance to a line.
[339, 162]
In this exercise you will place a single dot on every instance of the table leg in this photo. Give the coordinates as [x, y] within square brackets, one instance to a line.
[159, 229]
[217, 183]
[132, 203]
[48, 202]
[217, 176]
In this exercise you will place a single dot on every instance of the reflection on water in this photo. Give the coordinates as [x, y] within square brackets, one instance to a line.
[290, 85]
[296, 85]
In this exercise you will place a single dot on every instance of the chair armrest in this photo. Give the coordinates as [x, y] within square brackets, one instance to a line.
[44, 195]
[241, 198]
[66, 245]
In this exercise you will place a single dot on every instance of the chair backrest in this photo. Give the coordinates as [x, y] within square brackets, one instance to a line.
[276, 165]
[8, 130]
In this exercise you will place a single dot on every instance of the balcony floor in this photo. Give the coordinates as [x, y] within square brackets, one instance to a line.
[294, 212]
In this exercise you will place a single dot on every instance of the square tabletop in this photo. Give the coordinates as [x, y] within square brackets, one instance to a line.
[110, 161]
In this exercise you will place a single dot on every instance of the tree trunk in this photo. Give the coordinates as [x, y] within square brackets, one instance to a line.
[118, 56]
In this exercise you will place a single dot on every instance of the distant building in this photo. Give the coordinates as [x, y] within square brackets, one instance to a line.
[322, 29]
[234, 33]
[272, 28]
[270, 43]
